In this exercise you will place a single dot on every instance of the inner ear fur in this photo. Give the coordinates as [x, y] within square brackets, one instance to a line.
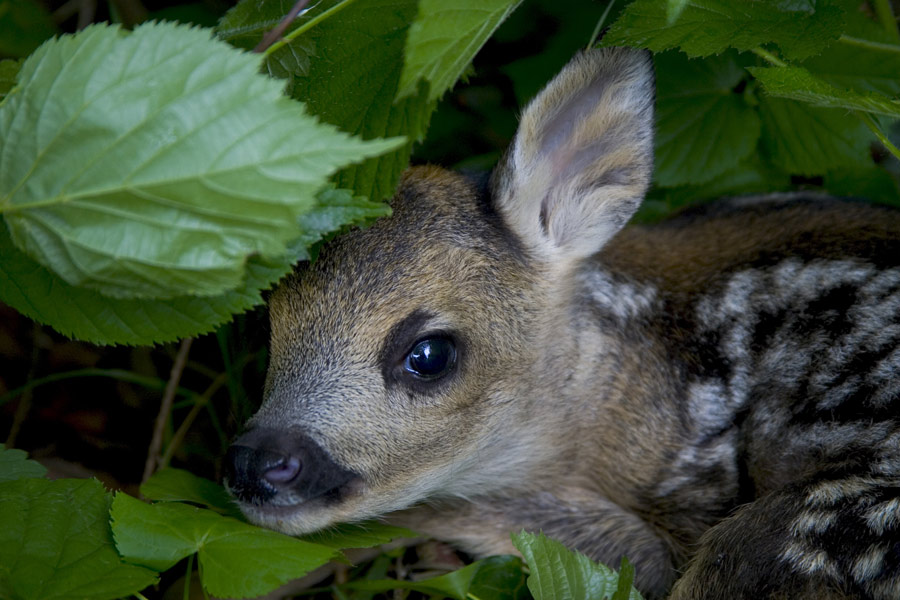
[582, 158]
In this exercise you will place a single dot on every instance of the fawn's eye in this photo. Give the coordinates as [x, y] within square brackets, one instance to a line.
[431, 358]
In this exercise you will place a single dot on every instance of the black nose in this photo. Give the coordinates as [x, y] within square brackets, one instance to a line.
[266, 463]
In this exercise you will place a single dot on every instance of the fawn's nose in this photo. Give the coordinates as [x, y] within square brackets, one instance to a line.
[280, 467]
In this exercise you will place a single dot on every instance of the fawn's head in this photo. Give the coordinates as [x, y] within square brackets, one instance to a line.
[408, 361]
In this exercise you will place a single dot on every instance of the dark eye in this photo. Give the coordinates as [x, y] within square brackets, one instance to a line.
[431, 358]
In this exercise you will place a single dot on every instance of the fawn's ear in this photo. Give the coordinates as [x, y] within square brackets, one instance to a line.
[582, 158]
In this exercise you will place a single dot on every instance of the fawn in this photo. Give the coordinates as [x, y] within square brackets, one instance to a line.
[714, 397]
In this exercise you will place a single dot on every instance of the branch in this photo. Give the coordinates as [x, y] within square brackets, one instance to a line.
[165, 409]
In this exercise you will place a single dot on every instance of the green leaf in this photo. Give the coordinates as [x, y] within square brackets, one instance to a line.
[874, 184]
[55, 543]
[704, 127]
[87, 315]
[807, 140]
[497, 577]
[8, 71]
[557, 572]
[674, 8]
[796, 83]
[154, 164]
[178, 485]
[347, 70]
[14, 464]
[335, 211]
[705, 27]
[444, 38]
[24, 24]
[358, 535]
[237, 560]
[753, 175]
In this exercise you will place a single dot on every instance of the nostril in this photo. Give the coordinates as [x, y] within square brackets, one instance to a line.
[283, 471]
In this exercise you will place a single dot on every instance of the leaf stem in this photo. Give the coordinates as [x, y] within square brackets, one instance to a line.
[307, 26]
[886, 16]
[871, 124]
[768, 56]
[272, 36]
[165, 409]
[600, 25]
[869, 44]
[186, 595]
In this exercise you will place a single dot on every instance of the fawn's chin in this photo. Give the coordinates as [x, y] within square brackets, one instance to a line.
[298, 517]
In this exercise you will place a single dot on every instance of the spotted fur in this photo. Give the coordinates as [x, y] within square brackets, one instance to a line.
[715, 396]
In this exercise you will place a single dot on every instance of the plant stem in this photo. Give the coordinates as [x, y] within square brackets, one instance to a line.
[165, 409]
[24, 406]
[868, 44]
[199, 405]
[886, 16]
[600, 24]
[768, 56]
[273, 35]
[871, 124]
[122, 375]
[187, 578]
[307, 26]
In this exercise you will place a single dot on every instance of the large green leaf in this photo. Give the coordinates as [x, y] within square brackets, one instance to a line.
[560, 573]
[704, 126]
[154, 164]
[346, 67]
[237, 560]
[703, 27]
[14, 464]
[87, 315]
[444, 38]
[796, 83]
[178, 485]
[808, 140]
[55, 543]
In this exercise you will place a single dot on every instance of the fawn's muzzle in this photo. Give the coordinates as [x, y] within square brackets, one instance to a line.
[282, 468]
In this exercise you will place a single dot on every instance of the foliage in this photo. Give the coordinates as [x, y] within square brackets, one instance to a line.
[156, 182]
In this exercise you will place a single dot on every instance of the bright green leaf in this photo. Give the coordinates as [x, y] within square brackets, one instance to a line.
[24, 24]
[704, 128]
[347, 70]
[807, 140]
[444, 38]
[558, 573]
[159, 535]
[705, 27]
[796, 83]
[87, 315]
[55, 543]
[14, 464]
[178, 485]
[161, 178]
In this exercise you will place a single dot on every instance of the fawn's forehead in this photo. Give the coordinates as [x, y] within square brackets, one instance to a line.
[441, 247]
